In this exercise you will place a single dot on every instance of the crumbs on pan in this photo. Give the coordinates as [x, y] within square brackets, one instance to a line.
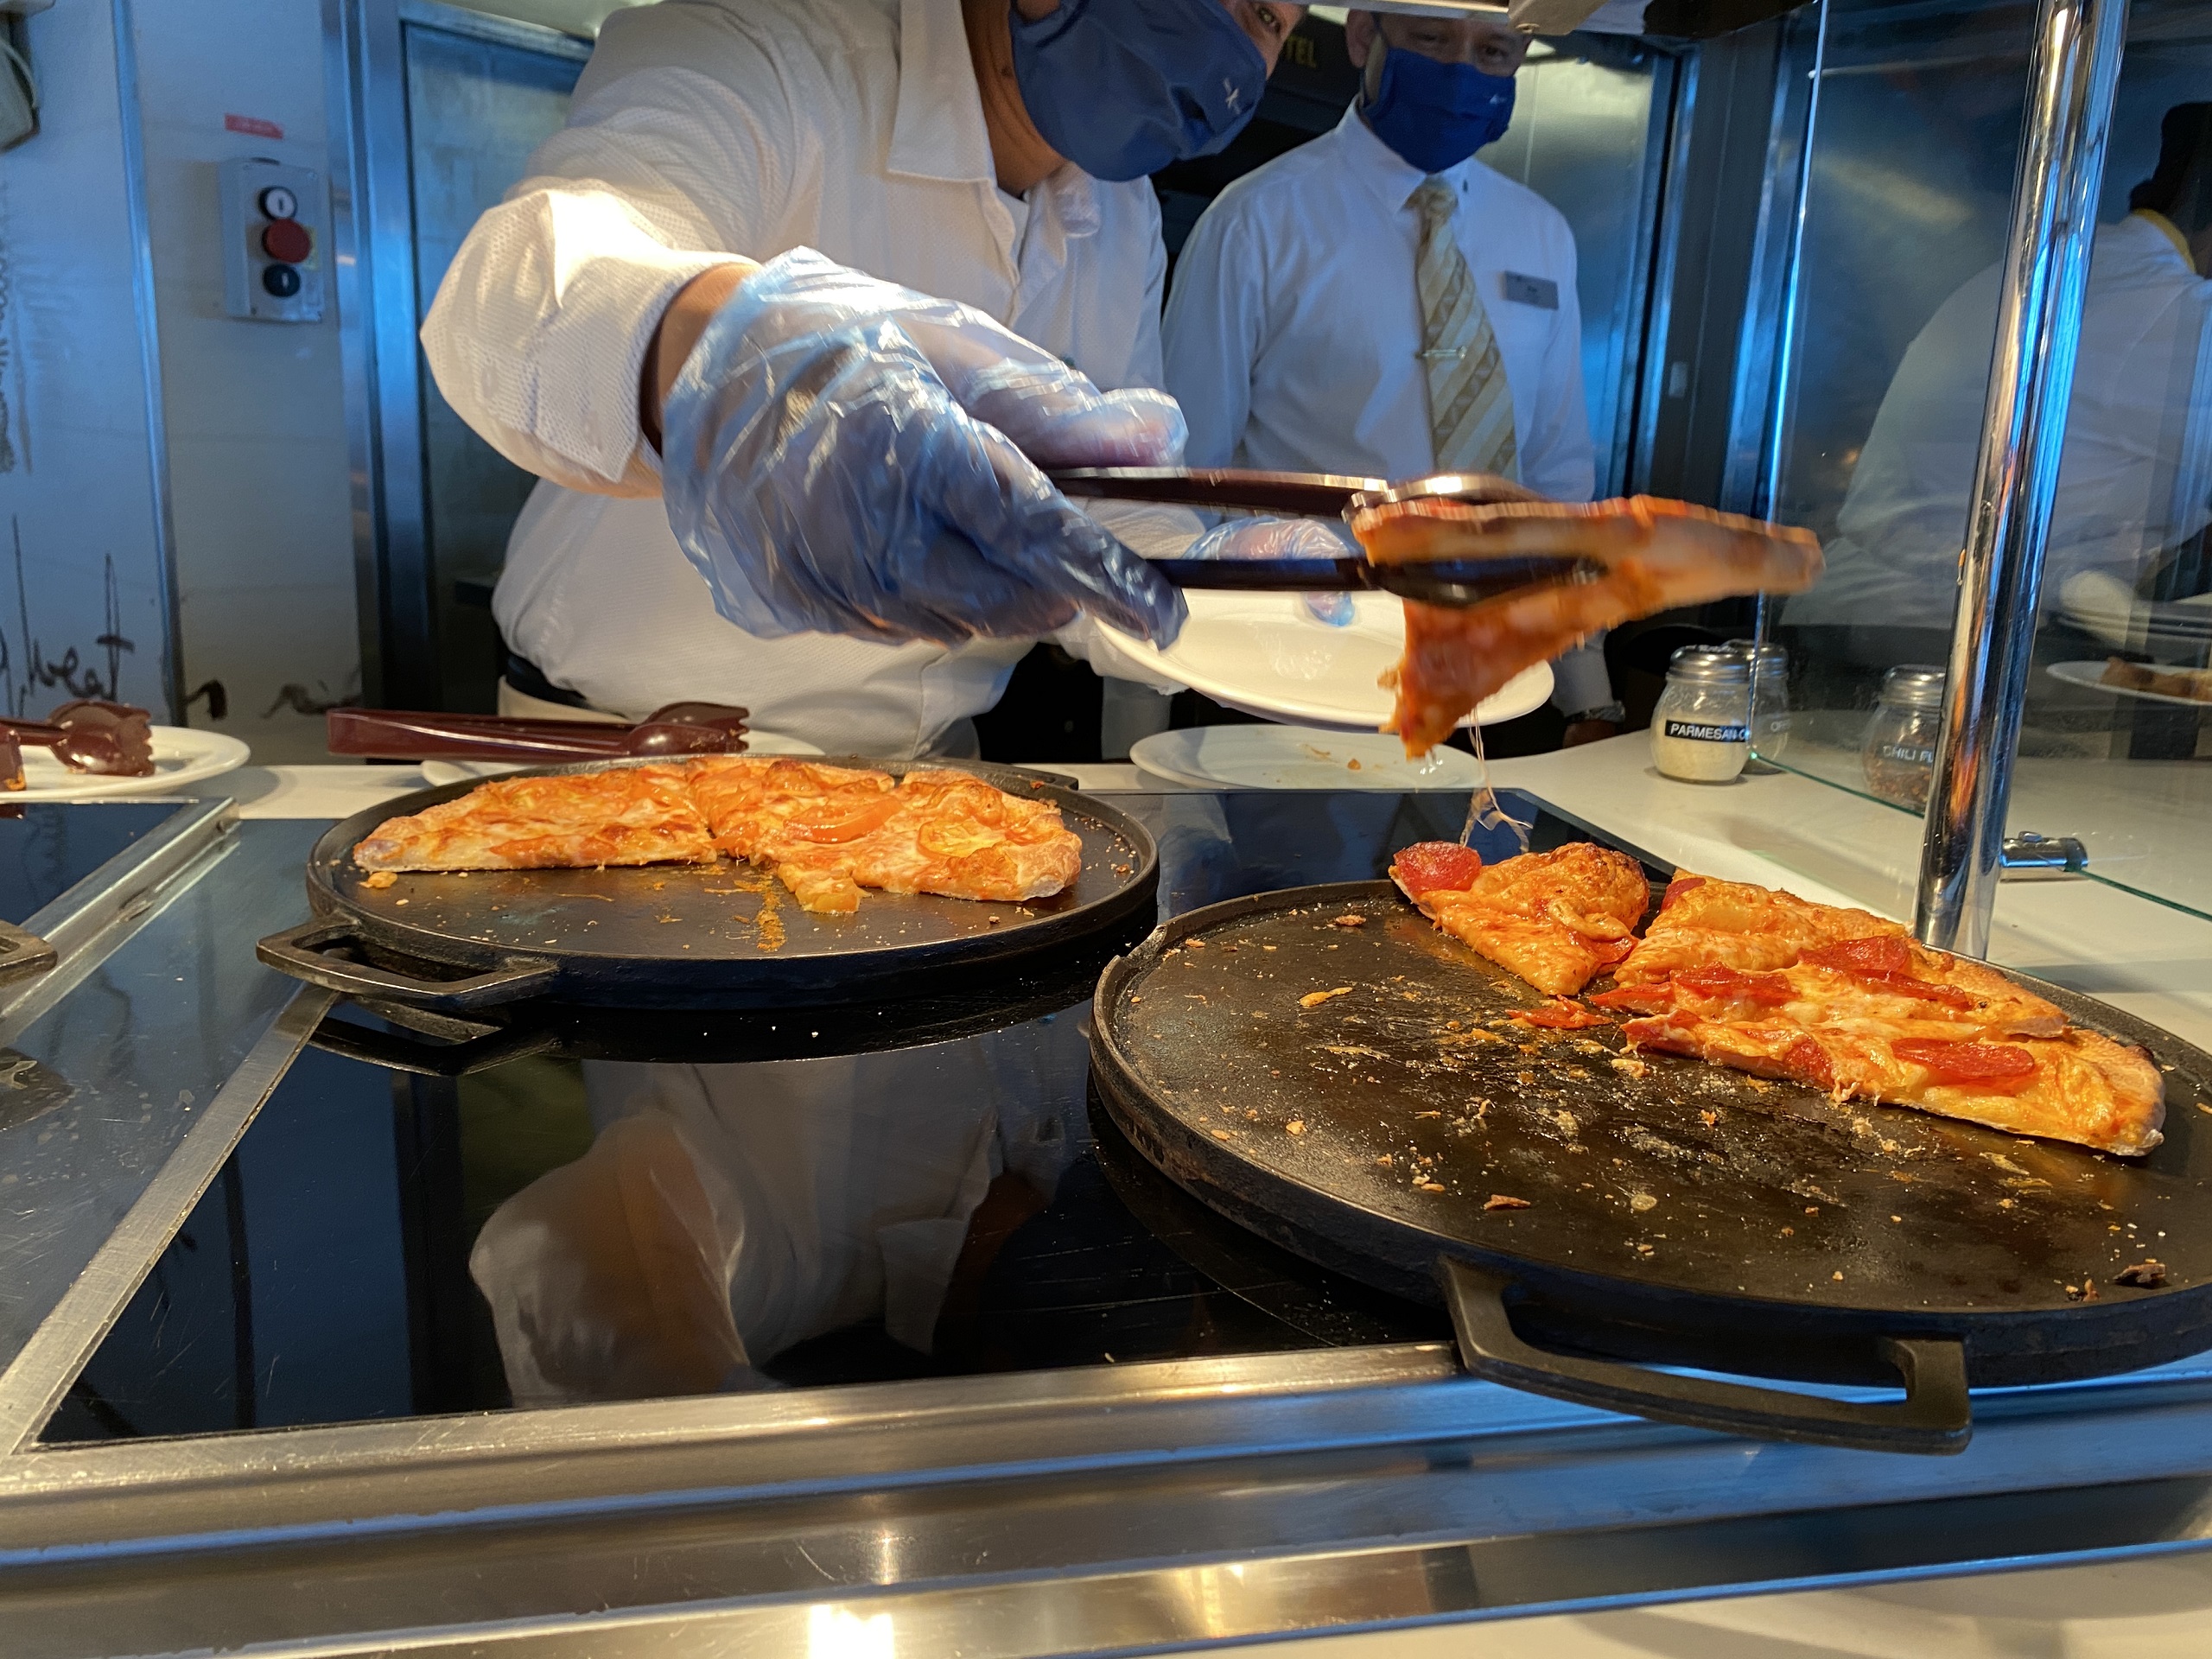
[1315, 999]
[380, 879]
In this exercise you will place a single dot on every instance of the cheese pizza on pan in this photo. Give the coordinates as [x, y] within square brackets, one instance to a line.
[626, 815]
[1842, 999]
[1555, 919]
[827, 831]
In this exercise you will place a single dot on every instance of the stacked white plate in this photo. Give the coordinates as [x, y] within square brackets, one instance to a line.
[1297, 757]
[1267, 655]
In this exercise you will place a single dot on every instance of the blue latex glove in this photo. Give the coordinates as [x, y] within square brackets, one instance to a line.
[1285, 539]
[846, 456]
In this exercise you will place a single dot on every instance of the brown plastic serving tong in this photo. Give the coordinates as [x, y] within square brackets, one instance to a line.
[411, 734]
[1326, 495]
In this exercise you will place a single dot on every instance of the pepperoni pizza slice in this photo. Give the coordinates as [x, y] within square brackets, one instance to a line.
[1839, 999]
[1650, 555]
[1555, 919]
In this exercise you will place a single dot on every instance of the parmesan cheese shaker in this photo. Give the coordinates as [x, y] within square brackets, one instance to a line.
[1701, 730]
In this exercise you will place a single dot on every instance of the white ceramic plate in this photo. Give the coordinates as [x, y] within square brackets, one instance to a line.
[1297, 757]
[182, 756]
[2092, 676]
[1265, 654]
[441, 772]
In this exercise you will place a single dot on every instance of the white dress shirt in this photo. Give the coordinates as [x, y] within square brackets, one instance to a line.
[702, 128]
[1294, 327]
[2133, 480]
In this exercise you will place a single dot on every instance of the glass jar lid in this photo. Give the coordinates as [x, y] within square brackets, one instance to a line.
[1771, 659]
[1708, 665]
[1914, 685]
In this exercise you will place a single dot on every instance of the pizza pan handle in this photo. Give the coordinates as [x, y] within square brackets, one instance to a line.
[23, 954]
[1935, 1415]
[309, 951]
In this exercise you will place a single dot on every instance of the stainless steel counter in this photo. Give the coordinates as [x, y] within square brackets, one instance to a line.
[1092, 1508]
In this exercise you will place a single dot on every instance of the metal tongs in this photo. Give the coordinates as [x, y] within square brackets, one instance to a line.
[1327, 495]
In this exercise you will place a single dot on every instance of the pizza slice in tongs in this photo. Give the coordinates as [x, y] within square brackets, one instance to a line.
[1616, 561]
[1495, 578]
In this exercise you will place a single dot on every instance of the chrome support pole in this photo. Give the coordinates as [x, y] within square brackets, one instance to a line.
[2075, 66]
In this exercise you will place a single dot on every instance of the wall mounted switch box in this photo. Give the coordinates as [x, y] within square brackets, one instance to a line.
[275, 227]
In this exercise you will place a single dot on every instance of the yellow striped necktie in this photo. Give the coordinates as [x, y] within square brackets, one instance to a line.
[1470, 405]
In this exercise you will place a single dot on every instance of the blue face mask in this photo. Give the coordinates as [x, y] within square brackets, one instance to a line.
[1435, 115]
[1124, 87]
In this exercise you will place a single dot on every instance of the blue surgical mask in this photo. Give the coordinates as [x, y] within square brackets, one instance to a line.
[1124, 87]
[1435, 115]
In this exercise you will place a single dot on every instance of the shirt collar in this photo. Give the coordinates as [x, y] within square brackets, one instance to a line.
[938, 130]
[2170, 231]
[1387, 176]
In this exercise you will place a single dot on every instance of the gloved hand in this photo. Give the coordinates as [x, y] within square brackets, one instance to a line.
[846, 456]
[1285, 539]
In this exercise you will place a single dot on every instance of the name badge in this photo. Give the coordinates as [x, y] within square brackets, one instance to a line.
[1539, 291]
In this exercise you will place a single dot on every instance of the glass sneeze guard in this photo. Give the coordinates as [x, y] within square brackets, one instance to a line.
[1912, 161]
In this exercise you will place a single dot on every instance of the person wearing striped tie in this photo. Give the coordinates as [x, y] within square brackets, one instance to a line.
[1379, 302]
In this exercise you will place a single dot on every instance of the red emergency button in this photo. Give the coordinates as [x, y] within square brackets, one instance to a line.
[287, 240]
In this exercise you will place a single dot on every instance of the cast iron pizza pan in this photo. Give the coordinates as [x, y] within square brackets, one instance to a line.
[689, 936]
[1677, 1214]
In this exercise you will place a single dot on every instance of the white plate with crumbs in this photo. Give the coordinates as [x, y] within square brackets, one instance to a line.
[182, 756]
[1297, 757]
[1266, 654]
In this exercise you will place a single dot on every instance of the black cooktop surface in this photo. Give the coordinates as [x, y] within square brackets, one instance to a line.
[548, 1229]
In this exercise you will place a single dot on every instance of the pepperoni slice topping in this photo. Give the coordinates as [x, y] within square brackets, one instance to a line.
[1679, 885]
[1885, 953]
[1715, 980]
[1636, 999]
[2000, 1066]
[1884, 963]
[1807, 1061]
[1435, 866]
[853, 825]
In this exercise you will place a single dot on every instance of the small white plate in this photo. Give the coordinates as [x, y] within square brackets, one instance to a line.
[2091, 674]
[1297, 757]
[1267, 655]
[182, 756]
[441, 772]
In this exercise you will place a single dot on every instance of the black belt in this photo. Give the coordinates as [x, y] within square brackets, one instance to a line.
[528, 679]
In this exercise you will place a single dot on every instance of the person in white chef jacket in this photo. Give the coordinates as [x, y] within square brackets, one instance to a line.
[2135, 478]
[861, 569]
[1379, 302]
[782, 318]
